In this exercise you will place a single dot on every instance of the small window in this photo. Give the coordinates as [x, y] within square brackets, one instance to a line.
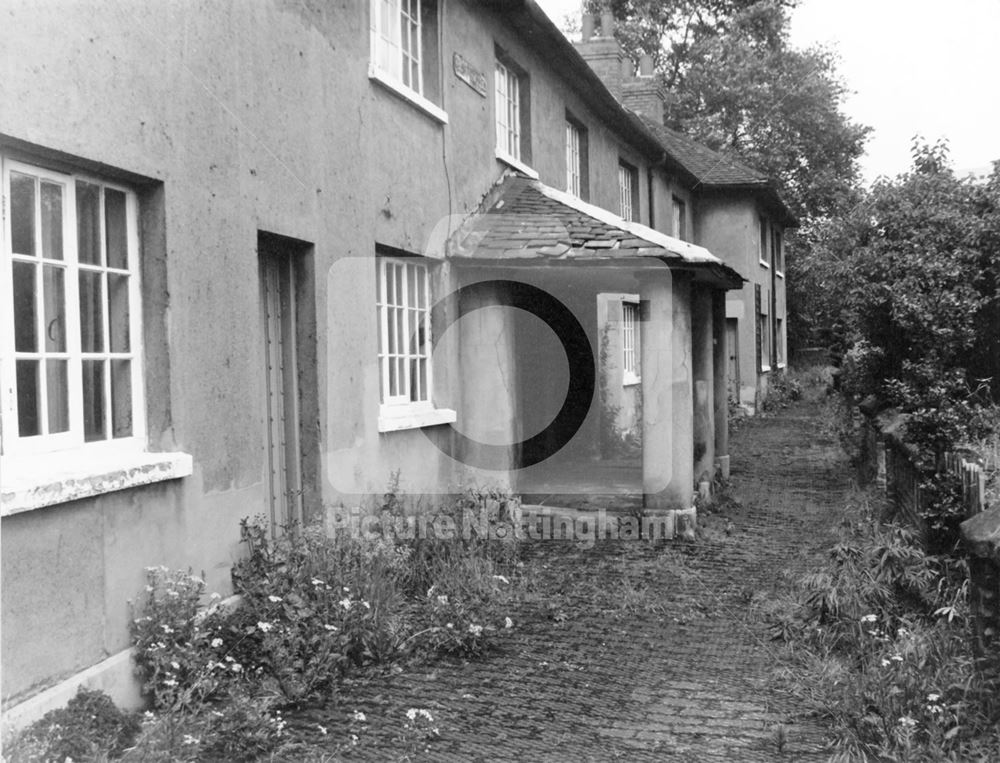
[576, 159]
[680, 218]
[511, 111]
[70, 339]
[762, 247]
[779, 341]
[404, 347]
[404, 43]
[777, 253]
[764, 332]
[628, 191]
[630, 342]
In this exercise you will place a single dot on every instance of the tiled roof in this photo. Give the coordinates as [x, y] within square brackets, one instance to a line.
[707, 166]
[524, 219]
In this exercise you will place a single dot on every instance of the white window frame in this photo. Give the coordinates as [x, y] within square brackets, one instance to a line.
[406, 307]
[763, 241]
[766, 351]
[573, 163]
[678, 213]
[396, 42]
[10, 439]
[626, 202]
[778, 252]
[631, 369]
[508, 111]
[388, 53]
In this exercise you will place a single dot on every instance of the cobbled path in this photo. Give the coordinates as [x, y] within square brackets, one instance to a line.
[640, 651]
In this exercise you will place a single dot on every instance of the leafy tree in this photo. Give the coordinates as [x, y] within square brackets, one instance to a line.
[908, 282]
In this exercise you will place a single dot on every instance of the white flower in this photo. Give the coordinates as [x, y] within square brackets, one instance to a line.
[264, 627]
[345, 603]
[449, 625]
[869, 619]
[167, 629]
[501, 578]
[907, 722]
[475, 630]
[274, 599]
[216, 642]
[897, 658]
[149, 589]
[322, 729]
[215, 596]
[347, 588]
[366, 605]
[885, 663]
[330, 627]
[188, 739]
[442, 599]
[933, 697]
[359, 716]
[354, 738]
[413, 712]
[175, 665]
[317, 581]
[508, 623]
[237, 668]
[170, 682]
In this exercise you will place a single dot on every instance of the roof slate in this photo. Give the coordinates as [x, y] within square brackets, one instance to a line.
[708, 166]
[524, 219]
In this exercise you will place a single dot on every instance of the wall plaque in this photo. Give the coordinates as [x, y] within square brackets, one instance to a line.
[471, 76]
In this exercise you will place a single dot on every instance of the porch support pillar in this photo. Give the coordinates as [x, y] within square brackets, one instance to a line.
[665, 344]
[702, 361]
[720, 369]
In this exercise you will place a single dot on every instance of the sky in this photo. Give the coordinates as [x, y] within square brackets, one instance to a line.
[912, 66]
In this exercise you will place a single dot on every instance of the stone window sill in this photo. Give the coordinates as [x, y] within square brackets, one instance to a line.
[395, 421]
[516, 164]
[40, 480]
[398, 88]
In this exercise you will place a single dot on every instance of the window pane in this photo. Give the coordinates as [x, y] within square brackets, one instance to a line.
[93, 401]
[118, 312]
[29, 420]
[115, 231]
[121, 398]
[22, 213]
[88, 222]
[57, 386]
[52, 221]
[91, 311]
[54, 279]
[393, 385]
[25, 331]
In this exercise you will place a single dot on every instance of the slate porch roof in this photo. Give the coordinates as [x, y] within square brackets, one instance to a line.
[524, 219]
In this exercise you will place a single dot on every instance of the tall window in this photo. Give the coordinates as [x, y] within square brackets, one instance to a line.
[404, 347]
[630, 342]
[777, 252]
[573, 163]
[70, 337]
[508, 111]
[764, 331]
[404, 44]
[628, 190]
[762, 247]
[779, 341]
[680, 218]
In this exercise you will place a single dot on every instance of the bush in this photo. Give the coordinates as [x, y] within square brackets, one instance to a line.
[89, 727]
[881, 649]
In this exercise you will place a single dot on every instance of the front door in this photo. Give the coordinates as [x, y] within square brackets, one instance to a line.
[277, 281]
[733, 358]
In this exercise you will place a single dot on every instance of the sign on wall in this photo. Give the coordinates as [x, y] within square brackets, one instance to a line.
[469, 74]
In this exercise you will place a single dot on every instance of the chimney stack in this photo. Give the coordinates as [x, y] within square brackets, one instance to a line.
[643, 92]
[602, 52]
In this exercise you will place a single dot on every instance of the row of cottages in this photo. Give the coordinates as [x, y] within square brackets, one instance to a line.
[261, 257]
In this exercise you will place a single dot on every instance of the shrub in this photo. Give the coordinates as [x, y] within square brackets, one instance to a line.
[89, 727]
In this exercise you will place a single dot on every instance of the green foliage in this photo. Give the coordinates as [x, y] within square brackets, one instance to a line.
[909, 285]
[89, 727]
[879, 646]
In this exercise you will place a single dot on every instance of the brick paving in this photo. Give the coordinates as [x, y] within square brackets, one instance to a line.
[639, 651]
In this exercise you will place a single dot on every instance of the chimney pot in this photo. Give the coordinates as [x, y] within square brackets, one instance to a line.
[607, 24]
[588, 26]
